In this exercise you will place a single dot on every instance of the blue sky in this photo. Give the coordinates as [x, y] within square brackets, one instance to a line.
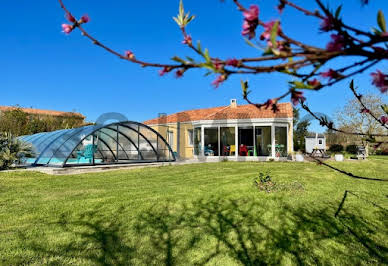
[43, 68]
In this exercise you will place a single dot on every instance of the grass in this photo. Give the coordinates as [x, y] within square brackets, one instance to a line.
[196, 214]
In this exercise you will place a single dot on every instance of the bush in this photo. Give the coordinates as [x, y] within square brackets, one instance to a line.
[382, 152]
[336, 148]
[352, 149]
[12, 150]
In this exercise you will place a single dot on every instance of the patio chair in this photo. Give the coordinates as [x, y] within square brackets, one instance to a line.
[243, 150]
[208, 151]
[232, 150]
[86, 155]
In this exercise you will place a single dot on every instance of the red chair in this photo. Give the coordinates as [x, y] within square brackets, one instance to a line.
[243, 150]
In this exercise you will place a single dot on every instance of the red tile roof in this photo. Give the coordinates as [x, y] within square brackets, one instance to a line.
[41, 112]
[225, 112]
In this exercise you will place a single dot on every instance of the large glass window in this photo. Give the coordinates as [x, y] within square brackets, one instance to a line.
[228, 143]
[280, 141]
[263, 141]
[197, 141]
[245, 141]
[211, 142]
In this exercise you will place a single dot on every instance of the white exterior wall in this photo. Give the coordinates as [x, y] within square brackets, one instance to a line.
[312, 143]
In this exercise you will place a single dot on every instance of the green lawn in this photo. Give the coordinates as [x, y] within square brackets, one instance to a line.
[196, 214]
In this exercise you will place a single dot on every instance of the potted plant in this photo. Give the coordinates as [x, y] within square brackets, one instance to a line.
[299, 156]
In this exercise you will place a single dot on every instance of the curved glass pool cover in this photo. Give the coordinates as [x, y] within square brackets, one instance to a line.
[123, 142]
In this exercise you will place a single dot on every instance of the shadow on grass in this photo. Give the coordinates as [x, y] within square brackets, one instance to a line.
[219, 231]
[251, 233]
[92, 239]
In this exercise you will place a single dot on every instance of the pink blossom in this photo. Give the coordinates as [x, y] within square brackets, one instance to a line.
[251, 21]
[365, 111]
[164, 71]
[70, 17]
[187, 40]
[232, 62]
[218, 81]
[268, 103]
[297, 96]
[380, 80]
[85, 18]
[129, 54]
[384, 119]
[252, 13]
[179, 73]
[218, 64]
[266, 35]
[336, 44]
[66, 28]
[327, 24]
[331, 74]
[314, 83]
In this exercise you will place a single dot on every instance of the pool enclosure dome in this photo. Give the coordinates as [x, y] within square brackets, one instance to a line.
[121, 142]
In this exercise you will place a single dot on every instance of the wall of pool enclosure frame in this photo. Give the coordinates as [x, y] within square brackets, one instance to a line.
[116, 143]
[261, 140]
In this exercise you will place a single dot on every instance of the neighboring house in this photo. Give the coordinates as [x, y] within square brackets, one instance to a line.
[315, 141]
[43, 113]
[229, 131]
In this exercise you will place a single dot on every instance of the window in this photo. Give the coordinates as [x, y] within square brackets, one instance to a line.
[320, 142]
[190, 137]
[170, 138]
[197, 141]
[211, 142]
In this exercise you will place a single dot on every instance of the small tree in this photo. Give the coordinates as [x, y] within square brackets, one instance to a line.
[12, 150]
[300, 131]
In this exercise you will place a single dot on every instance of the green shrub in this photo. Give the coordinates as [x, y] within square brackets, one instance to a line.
[336, 148]
[12, 150]
[352, 149]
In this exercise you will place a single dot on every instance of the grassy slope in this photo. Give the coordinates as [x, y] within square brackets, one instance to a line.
[195, 214]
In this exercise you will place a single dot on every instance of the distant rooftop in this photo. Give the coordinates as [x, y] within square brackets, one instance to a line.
[41, 112]
[313, 136]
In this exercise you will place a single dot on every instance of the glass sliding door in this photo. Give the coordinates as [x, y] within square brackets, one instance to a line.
[211, 142]
[263, 141]
[245, 141]
[228, 145]
[280, 141]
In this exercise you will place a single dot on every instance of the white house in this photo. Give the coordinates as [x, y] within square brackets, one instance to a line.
[315, 141]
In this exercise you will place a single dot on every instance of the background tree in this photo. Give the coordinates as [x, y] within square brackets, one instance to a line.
[355, 117]
[300, 131]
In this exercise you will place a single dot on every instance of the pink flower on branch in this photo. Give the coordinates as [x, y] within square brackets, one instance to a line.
[179, 73]
[380, 80]
[314, 83]
[331, 74]
[251, 21]
[85, 19]
[129, 55]
[218, 64]
[218, 81]
[336, 44]
[232, 62]
[268, 103]
[70, 18]
[266, 35]
[66, 28]
[364, 111]
[384, 119]
[327, 24]
[296, 97]
[187, 40]
[164, 71]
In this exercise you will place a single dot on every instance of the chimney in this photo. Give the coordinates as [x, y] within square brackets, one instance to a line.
[233, 103]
